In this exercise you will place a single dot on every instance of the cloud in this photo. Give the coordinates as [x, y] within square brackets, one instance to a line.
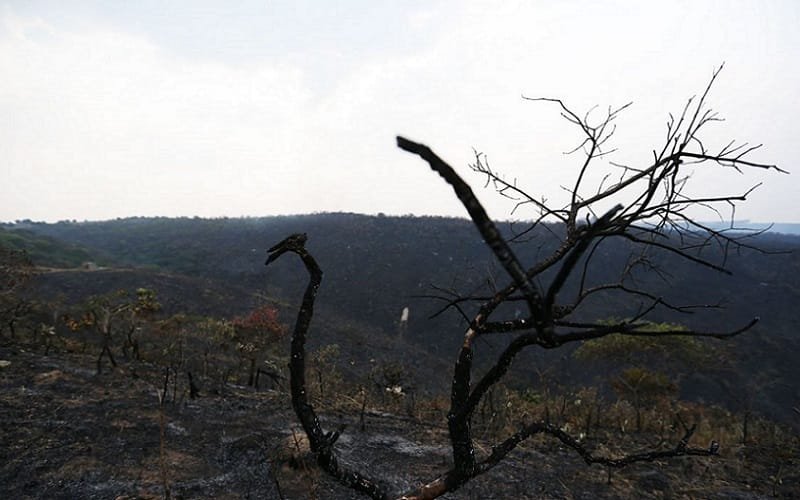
[102, 123]
[100, 120]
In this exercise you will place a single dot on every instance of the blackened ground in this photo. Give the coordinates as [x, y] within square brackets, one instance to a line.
[69, 433]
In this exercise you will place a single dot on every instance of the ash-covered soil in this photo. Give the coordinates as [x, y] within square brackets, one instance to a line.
[69, 433]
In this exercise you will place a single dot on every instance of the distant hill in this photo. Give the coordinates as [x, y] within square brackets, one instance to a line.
[375, 266]
[772, 227]
[44, 250]
[785, 228]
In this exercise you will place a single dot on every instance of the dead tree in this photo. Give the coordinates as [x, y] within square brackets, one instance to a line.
[654, 216]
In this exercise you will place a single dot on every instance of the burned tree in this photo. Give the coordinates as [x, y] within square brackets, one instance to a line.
[113, 312]
[647, 206]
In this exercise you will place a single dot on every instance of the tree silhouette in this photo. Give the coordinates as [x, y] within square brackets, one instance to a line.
[651, 207]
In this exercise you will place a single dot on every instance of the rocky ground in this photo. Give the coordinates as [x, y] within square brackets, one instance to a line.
[69, 433]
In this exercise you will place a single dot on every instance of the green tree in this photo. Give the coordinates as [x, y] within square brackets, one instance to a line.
[653, 350]
[215, 336]
[325, 360]
[642, 387]
[641, 363]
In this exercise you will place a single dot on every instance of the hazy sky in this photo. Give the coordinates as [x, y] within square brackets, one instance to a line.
[118, 108]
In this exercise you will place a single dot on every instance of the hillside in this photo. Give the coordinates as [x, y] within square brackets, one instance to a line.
[44, 250]
[376, 266]
[373, 268]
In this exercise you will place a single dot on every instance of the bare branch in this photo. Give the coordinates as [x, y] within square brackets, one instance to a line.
[482, 222]
[638, 329]
[680, 449]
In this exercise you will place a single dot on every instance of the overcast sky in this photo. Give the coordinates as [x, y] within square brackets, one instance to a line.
[113, 109]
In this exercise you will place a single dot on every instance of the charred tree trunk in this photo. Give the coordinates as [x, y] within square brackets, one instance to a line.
[193, 390]
[321, 443]
[251, 373]
[106, 350]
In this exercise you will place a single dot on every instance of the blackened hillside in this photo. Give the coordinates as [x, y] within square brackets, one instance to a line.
[376, 266]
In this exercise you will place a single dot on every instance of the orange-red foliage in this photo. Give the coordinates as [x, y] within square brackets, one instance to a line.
[264, 320]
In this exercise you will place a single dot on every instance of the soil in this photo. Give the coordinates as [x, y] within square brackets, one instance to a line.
[70, 433]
